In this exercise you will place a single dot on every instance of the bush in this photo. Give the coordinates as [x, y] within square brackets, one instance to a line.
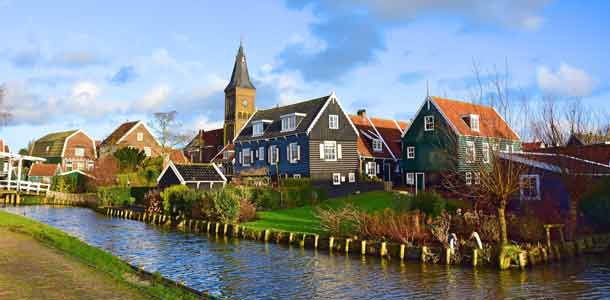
[526, 228]
[153, 202]
[470, 221]
[266, 198]
[430, 203]
[115, 196]
[129, 158]
[295, 182]
[247, 210]
[225, 204]
[179, 199]
[595, 204]
[344, 221]
[400, 227]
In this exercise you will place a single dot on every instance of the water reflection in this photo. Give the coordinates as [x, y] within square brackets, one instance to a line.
[251, 270]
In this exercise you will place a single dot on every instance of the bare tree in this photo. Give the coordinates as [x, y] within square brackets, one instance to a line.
[168, 130]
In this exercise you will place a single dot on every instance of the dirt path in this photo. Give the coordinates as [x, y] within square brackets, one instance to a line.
[30, 270]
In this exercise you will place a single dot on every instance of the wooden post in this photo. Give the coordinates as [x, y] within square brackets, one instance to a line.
[363, 247]
[447, 256]
[475, 257]
[208, 227]
[236, 230]
[548, 236]
[225, 229]
[522, 259]
[402, 251]
[290, 238]
[347, 241]
[424, 251]
[302, 242]
[267, 232]
[315, 241]
[331, 242]
[384, 249]
[217, 227]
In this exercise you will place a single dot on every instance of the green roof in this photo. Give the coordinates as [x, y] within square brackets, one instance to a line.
[52, 144]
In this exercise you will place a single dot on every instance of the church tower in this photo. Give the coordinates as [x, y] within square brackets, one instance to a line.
[240, 96]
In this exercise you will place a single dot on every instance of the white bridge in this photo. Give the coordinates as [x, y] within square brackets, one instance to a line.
[18, 185]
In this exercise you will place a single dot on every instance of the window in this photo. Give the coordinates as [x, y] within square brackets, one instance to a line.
[468, 178]
[530, 187]
[429, 123]
[486, 158]
[147, 151]
[5, 167]
[257, 128]
[289, 123]
[90, 165]
[410, 178]
[370, 168]
[140, 136]
[261, 153]
[294, 153]
[46, 149]
[68, 165]
[410, 152]
[377, 167]
[512, 148]
[273, 154]
[296, 176]
[336, 178]
[474, 122]
[246, 156]
[471, 154]
[80, 165]
[330, 151]
[79, 151]
[351, 177]
[477, 178]
[377, 145]
[333, 121]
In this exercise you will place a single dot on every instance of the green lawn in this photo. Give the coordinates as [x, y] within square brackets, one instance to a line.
[303, 219]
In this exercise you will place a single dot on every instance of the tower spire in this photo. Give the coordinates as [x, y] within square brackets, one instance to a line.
[240, 77]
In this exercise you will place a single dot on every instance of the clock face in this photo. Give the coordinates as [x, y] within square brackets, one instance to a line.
[244, 103]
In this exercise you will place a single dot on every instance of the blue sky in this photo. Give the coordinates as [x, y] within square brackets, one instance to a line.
[95, 64]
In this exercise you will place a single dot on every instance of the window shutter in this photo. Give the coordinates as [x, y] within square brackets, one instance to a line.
[366, 168]
[288, 154]
[339, 152]
[240, 158]
[377, 168]
[269, 154]
[298, 152]
[322, 151]
[277, 154]
[251, 156]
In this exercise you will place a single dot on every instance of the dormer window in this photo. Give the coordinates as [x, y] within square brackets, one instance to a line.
[472, 121]
[428, 123]
[257, 128]
[377, 145]
[289, 121]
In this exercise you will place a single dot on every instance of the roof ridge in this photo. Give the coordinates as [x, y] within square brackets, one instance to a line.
[294, 104]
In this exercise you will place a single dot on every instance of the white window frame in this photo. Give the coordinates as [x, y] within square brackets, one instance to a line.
[486, 154]
[336, 178]
[90, 165]
[289, 122]
[69, 166]
[246, 157]
[351, 177]
[370, 168]
[410, 178]
[148, 151]
[429, 123]
[261, 153]
[471, 148]
[258, 128]
[477, 178]
[333, 154]
[475, 124]
[296, 176]
[274, 154]
[140, 136]
[377, 145]
[521, 187]
[294, 154]
[468, 178]
[410, 152]
[333, 121]
[79, 152]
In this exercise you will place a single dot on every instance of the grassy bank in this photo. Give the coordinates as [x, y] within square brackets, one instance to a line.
[96, 258]
[304, 219]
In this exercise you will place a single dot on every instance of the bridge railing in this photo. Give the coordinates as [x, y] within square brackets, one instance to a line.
[25, 186]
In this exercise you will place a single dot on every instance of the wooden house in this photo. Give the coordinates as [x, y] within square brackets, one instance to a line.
[314, 139]
[43, 172]
[72, 150]
[451, 136]
[546, 180]
[131, 134]
[379, 149]
[205, 145]
[197, 176]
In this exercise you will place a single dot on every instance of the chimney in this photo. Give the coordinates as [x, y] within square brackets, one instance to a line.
[362, 113]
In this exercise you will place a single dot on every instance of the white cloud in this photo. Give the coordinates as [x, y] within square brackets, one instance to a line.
[85, 91]
[153, 99]
[566, 81]
[205, 123]
[286, 84]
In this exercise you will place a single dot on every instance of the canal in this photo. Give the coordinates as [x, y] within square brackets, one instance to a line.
[241, 269]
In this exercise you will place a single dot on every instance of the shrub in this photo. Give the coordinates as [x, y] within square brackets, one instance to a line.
[179, 199]
[400, 227]
[115, 196]
[526, 228]
[225, 203]
[440, 227]
[595, 204]
[266, 198]
[247, 210]
[153, 201]
[344, 221]
[129, 158]
[139, 193]
[295, 182]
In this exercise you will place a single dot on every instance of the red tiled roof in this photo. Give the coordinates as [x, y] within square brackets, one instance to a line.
[3, 146]
[385, 129]
[118, 133]
[391, 131]
[43, 170]
[178, 157]
[532, 146]
[599, 153]
[491, 123]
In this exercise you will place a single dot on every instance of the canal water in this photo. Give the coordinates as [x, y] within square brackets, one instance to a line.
[241, 269]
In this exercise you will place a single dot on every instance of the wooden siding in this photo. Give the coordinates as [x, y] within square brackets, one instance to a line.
[321, 132]
[464, 166]
[168, 179]
[284, 166]
[321, 170]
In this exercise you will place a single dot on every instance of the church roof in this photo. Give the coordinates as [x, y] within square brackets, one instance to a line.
[240, 77]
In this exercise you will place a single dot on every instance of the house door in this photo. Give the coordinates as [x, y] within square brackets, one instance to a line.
[420, 182]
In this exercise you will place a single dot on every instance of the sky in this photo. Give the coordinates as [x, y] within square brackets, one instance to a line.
[95, 64]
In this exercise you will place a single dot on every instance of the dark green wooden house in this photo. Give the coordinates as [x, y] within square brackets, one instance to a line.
[452, 138]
